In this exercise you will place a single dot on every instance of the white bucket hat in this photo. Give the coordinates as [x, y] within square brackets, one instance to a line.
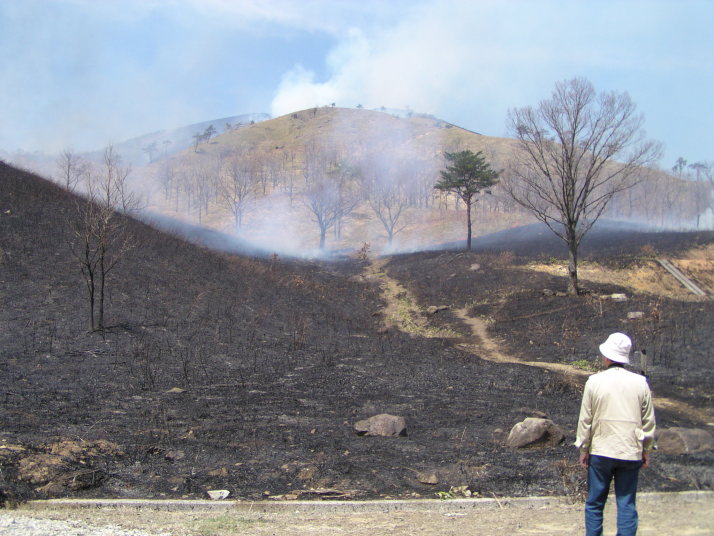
[617, 348]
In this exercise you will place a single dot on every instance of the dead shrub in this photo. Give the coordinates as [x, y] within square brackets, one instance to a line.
[363, 252]
[561, 385]
[503, 260]
[648, 250]
[573, 478]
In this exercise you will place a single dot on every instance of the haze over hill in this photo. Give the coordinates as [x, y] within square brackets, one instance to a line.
[145, 149]
[329, 179]
[269, 184]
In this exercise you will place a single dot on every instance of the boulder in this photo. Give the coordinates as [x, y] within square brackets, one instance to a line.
[535, 432]
[175, 455]
[684, 440]
[382, 425]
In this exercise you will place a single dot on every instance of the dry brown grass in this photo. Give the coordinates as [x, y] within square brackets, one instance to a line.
[647, 277]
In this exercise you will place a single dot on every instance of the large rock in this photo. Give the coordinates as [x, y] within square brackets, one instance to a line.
[684, 440]
[382, 425]
[218, 494]
[535, 432]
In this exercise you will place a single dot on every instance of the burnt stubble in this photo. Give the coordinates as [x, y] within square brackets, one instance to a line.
[218, 371]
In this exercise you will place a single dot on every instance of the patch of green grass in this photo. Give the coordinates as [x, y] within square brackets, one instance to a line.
[584, 364]
[405, 317]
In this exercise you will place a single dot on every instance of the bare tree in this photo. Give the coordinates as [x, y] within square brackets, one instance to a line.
[71, 169]
[386, 191]
[577, 150]
[203, 177]
[322, 198]
[236, 186]
[344, 175]
[330, 193]
[168, 180]
[101, 238]
[703, 190]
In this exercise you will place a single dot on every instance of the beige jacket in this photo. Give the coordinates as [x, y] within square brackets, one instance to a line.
[616, 416]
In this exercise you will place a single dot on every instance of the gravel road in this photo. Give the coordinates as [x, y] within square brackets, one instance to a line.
[684, 514]
[12, 524]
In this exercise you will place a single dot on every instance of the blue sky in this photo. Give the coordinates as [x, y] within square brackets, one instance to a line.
[84, 73]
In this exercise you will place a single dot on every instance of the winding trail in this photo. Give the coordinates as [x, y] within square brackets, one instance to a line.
[402, 312]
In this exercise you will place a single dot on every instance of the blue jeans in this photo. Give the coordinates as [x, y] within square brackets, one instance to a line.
[601, 471]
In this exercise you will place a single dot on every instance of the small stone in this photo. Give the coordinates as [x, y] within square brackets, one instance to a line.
[175, 455]
[307, 473]
[428, 478]
[218, 494]
[635, 315]
[618, 297]
[176, 390]
[222, 472]
[382, 425]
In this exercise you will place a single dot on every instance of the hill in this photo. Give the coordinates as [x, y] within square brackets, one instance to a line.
[370, 175]
[278, 164]
[224, 372]
[162, 143]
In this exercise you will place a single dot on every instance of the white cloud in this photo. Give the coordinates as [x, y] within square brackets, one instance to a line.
[468, 62]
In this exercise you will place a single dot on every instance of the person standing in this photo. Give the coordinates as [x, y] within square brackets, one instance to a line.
[615, 435]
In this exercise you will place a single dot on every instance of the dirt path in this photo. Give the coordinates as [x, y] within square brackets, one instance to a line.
[684, 514]
[402, 312]
[486, 347]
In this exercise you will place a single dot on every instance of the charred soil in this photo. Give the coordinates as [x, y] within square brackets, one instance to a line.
[224, 372]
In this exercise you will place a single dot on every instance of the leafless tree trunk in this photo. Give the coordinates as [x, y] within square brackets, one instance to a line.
[388, 201]
[577, 150]
[72, 169]
[101, 238]
[236, 187]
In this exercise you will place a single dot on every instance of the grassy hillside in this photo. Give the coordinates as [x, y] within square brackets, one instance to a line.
[284, 154]
[281, 160]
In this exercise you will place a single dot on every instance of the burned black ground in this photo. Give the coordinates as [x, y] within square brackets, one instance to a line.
[222, 372]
